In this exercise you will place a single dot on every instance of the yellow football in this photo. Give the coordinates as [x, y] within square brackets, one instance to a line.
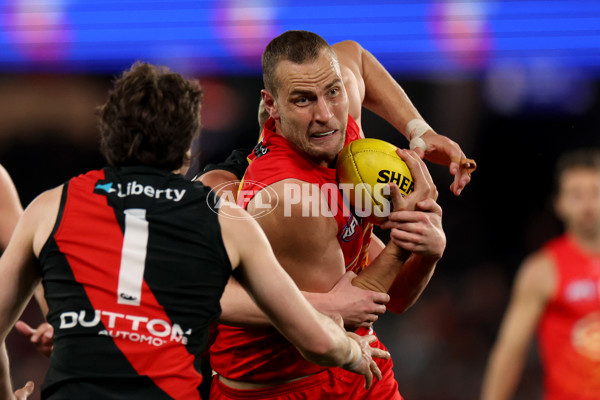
[364, 169]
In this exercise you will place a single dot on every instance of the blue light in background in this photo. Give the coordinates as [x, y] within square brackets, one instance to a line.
[226, 37]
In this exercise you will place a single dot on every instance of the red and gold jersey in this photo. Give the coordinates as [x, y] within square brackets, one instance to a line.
[569, 330]
[262, 354]
[275, 159]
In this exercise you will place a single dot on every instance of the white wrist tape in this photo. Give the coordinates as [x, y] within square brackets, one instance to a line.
[354, 359]
[414, 130]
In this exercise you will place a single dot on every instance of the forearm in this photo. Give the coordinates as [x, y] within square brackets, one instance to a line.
[238, 308]
[335, 349]
[502, 375]
[5, 383]
[508, 356]
[410, 282]
[382, 272]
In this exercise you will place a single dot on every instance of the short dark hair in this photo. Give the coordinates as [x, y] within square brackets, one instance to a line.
[150, 118]
[295, 46]
[578, 158]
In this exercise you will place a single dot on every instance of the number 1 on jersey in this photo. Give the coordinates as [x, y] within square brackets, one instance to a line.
[133, 257]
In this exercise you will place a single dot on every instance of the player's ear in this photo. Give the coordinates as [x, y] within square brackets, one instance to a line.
[270, 103]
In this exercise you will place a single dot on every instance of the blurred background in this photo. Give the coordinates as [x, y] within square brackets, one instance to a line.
[515, 83]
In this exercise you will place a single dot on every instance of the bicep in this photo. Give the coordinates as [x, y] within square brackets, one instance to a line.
[349, 55]
[532, 289]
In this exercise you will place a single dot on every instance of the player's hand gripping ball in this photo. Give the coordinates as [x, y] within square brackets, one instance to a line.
[364, 169]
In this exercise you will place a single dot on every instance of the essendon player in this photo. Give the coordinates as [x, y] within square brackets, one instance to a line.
[134, 259]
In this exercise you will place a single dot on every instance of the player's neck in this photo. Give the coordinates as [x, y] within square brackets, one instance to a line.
[588, 242]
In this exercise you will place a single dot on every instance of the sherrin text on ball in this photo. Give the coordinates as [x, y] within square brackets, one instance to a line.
[364, 169]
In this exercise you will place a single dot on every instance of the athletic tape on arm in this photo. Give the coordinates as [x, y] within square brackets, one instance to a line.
[415, 129]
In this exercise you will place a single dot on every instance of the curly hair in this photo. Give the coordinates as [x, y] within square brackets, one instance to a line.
[150, 118]
[296, 46]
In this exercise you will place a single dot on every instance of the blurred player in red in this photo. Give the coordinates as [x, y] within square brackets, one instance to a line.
[557, 293]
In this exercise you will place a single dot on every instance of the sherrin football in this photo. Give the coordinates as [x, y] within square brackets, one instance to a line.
[364, 168]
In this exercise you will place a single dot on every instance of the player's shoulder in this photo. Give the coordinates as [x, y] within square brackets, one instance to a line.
[350, 56]
[537, 273]
[539, 262]
[229, 211]
[40, 215]
[50, 197]
[347, 47]
[281, 166]
[5, 178]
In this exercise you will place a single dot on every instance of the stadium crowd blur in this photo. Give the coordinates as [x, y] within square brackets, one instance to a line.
[514, 132]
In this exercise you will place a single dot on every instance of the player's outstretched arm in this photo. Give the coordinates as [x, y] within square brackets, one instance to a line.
[533, 286]
[369, 84]
[319, 338]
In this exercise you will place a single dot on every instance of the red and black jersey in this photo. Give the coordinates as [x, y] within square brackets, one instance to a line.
[133, 273]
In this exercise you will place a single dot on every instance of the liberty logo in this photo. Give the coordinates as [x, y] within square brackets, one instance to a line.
[107, 187]
[137, 189]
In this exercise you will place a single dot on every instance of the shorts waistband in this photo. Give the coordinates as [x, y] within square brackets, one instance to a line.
[277, 390]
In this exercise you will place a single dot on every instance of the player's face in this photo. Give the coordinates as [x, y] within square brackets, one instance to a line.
[578, 202]
[311, 107]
